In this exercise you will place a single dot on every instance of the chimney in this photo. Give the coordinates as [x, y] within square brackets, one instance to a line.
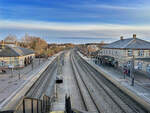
[121, 38]
[134, 35]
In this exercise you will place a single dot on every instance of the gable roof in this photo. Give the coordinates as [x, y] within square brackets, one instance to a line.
[130, 43]
[14, 51]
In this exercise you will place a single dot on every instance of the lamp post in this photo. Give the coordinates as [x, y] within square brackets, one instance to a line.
[19, 73]
[32, 65]
[39, 60]
[133, 60]
[97, 59]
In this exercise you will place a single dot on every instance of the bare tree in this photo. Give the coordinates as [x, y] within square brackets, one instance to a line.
[10, 38]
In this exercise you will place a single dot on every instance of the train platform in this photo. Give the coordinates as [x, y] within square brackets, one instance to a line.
[137, 92]
[10, 81]
[12, 88]
[67, 88]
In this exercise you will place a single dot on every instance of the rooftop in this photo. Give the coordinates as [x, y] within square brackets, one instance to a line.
[13, 51]
[129, 43]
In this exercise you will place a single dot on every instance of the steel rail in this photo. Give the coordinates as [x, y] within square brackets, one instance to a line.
[88, 90]
[125, 98]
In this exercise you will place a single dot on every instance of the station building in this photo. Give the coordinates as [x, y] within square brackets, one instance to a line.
[125, 51]
[14, 56]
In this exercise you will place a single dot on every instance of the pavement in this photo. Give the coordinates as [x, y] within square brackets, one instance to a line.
[11, 85]
[138, 89]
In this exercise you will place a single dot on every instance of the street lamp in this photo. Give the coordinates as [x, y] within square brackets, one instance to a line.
[19, 73]
[32, 64]
[133, 60]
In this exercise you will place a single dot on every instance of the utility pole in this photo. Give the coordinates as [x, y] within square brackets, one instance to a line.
[133, 60]
[39, 60]
[97, 59]
[19, 73]
[12, 72]
[58, 65]
[32, 65]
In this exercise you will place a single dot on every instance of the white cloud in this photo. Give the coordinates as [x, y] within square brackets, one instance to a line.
[51, 30]
[112, 7]
[68, 26]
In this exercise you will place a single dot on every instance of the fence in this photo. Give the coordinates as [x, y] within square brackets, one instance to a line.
[32, 105]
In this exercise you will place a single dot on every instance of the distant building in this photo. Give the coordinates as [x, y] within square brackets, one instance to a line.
[121, 53]
[14, 56]
[92, 48]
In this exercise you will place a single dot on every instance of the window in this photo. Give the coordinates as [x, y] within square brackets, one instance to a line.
[116, 52]
[139, 65]
[2, 63]
[141, 53]
[109, 51]
[130, 52]
[148, 68]
[106, 51]
[112, 52]
[16, 61]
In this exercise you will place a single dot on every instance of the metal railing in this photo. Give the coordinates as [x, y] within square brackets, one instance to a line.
[32, 105]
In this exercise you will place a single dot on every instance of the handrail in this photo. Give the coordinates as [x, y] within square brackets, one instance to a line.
[32, 105]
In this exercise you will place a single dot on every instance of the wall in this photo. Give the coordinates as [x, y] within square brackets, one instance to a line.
[16, 61]
[121, 55]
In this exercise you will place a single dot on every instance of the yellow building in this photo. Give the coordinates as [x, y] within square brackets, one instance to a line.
[14, 56]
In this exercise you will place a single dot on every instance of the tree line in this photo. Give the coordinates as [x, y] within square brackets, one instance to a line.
[38, 45]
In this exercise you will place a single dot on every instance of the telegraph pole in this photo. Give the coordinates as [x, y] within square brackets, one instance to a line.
[39, 60]
[19, 73]
[133, 60]
[32, 65]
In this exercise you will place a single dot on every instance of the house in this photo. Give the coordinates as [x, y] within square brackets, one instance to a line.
[14, 56]
[125, 51]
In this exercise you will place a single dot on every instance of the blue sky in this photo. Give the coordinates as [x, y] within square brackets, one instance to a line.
[76, 21]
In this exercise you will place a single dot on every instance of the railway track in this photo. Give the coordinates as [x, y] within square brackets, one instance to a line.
[87, 98]
[123, 101]
[40, 86]
[109, 104]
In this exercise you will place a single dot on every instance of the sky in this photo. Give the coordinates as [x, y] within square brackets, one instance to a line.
[75, 21]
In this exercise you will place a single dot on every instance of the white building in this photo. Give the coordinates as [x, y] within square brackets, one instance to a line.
[124, 50]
